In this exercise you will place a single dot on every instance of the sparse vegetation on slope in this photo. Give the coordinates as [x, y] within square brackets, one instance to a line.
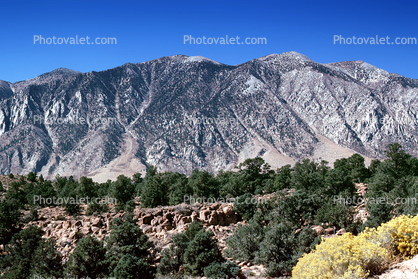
[283, 214]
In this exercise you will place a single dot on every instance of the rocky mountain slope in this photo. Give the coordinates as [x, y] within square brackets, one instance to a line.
[181, 113]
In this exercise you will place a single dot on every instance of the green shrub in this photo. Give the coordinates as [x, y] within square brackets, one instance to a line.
[9, 219]
[200, 252]
[130, 206]
[218, 270]
[173, 258]
[244, 207]
[283, 177]
[60, 218]
[88, 259]
[245, 242]
[280, 249]
[154, 192]
[131, 267]
[127, 238]
[339, 215]
[194, 249]
[47, 261]
[96, 208]
[34, 214]
[32, 177]
[123, 190]
[20, 252]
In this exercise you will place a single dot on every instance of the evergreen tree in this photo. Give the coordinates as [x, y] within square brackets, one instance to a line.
[20, 253]
[9, 219]
[338, 215]
[127, 238]
[154, 192]
[173, 258]
[123, 190]
[218, 270]
[32, 177]
[380, 212]
[131, 267]
[203, 184]
[88, 259]
[280, 249]
[87, 188]
[179, 189]
[200, 252]
[47, 261]
[245, 242]
[283, 178]
[398, 157]
[254, 173]
[309, 175]
[297, 209]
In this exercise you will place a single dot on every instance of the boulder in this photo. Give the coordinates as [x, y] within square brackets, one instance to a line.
[228, 210]
[147, 219]
[329, 230]
[78, 223]
[341, 232]
[203, 215]
[194, 216]
[97, 222]
[318, 229]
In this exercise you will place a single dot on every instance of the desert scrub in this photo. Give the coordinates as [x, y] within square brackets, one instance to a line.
[399, 236]
[347, 256]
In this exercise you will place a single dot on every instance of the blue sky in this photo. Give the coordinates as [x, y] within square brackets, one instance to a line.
[149, 30]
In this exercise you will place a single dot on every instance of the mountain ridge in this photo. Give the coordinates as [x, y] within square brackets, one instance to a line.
[192, 112]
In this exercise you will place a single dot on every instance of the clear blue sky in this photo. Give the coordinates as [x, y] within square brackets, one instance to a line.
[149, 30]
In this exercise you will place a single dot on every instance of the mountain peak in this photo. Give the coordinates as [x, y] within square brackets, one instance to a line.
[286, 61]
[64, 71]
[295, 55]
[291, 55]
[200, 59]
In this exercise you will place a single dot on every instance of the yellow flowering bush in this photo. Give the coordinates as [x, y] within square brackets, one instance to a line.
[347, 256]
[360, 256]
[399, 236]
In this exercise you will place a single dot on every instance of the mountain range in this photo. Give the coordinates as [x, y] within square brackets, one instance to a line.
[180, 113]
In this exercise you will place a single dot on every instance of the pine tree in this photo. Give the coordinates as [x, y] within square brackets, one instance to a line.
[88, 259]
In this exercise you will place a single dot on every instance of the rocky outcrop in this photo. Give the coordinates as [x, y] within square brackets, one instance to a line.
[160, 224]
